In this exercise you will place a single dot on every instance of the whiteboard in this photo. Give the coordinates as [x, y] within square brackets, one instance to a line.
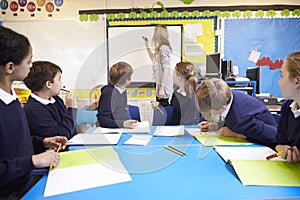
[79, 48]
[125, 43]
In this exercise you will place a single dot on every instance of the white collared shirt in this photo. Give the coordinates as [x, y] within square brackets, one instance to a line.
[6, 97]
[120, 89]
[41, 100]
[224, 114]
[295, 109]
[182, 93]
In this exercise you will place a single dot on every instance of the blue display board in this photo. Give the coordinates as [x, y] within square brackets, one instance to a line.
[274, 38]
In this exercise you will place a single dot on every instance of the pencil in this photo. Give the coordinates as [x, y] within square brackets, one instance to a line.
[277, 154]
[175, 150]
[160, 110]
[274, 155]
[62, 89]
[58, 149]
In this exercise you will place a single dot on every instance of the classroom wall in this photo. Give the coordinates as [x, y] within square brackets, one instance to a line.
[70, 8]
[91, 67]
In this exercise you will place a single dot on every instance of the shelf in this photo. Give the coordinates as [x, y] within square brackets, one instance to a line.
[251, 88]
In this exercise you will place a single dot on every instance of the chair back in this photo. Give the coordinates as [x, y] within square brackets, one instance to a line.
[94, 96]
[163, 116]
[276, 117]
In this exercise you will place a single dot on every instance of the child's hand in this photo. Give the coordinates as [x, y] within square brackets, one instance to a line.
[46, 159]
[225, 131]
[208, 126]
[53, 142]
[204, 125]
[130, 123]
[71, 100]
[291, 154]
[154, 105]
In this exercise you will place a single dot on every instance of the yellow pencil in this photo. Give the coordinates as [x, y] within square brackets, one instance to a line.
[58, 149]
[274, 155]
[62, 89]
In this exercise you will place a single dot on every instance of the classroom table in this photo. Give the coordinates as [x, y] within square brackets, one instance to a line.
[158, 173]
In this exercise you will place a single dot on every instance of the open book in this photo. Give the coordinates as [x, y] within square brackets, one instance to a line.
[252, 167]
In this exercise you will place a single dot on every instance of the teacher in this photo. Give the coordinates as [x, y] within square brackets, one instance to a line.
[161, 58]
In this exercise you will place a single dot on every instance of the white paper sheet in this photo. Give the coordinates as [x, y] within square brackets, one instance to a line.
[191, 31]
[139, 140]
[95, 138]
[142, 127]
[72, 179]
[254, 56]
[107, 130]
[245, 153]
[196, 131]
[169, 131]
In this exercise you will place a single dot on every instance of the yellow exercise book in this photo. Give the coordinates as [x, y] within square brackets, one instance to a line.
[252, 167]
[84, 169]
[217, 140]
[267, 172]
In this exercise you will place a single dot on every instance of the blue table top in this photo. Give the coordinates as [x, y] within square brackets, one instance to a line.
[160, 174]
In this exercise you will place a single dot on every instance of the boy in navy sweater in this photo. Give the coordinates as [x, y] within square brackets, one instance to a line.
[113, 107]
[245, 117]
[46, 112]
[16, 150]
[288, 135]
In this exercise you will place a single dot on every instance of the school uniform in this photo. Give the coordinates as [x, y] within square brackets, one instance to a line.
[185, 110]
[15, 145]
[112, 107]
[250, 117]
[48, 118]
[289, 125]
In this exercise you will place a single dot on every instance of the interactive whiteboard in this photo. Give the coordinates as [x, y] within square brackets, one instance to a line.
[125, 43]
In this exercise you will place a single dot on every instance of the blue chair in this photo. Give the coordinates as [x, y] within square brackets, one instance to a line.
[163, 116]
[85, 116]
[134, 112]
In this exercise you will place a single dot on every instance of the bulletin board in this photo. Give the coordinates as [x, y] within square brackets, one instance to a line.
[199, 43]
[274, 38]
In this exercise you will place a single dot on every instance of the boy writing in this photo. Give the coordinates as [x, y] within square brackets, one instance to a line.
[245, 117]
